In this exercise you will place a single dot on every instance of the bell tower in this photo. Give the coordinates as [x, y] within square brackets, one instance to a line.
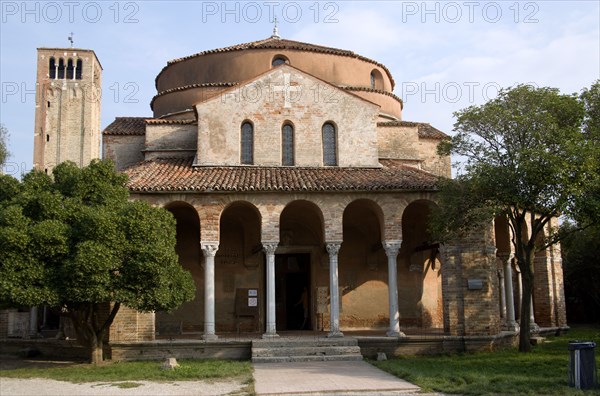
[67, 108]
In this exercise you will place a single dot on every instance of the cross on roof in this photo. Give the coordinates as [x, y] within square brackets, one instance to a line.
[287, 88]
[275, 28]
[70, 38]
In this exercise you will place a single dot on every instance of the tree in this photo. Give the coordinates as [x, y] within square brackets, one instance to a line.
[526, 158]
[75, 242]
[4, 154]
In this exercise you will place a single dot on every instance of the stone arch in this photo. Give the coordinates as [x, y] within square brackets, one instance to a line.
[79, 69]
[189, 317]
[419, 275]
[301, 223]
[502, 235]
[61, 69]
[52, 68]
[362, 267]
[279, 60]
[70, 69]
[238, 262]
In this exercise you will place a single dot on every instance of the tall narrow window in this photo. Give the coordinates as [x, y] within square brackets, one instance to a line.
[70, 69]
[61, 69]
[247, 143]
[329, 145]
[52, 69]
[79, 69]
[287, 145]
[376, 79]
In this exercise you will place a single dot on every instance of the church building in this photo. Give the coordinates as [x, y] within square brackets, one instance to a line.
[301, 197]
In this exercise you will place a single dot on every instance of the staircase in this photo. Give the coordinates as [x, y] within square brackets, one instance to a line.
[305, 349]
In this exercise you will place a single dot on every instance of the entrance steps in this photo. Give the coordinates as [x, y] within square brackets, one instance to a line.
[305, 349]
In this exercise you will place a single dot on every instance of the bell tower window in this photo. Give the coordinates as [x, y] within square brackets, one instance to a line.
[79, 69]
[61, 69]
[52, 69]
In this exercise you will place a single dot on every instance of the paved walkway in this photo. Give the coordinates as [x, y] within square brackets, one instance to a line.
[327, 378]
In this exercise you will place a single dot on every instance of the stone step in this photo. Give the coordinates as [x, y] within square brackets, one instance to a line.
[311, 358]
[306, 351]
[299, 342]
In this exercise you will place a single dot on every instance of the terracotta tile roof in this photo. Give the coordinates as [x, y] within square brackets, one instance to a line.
[379, 91]
[278, 43]
[126, 126]
[137, 125]
[192, 86]
[425, 130]
[178, 174]
[154, 121]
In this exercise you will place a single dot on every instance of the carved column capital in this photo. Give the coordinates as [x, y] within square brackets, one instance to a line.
[209, 248]
[270, 247]
[333, 248]
[392, 247]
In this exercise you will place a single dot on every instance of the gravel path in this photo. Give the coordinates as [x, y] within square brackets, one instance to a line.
[42, 387]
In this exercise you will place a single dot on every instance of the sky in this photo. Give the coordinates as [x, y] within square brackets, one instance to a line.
[444, 55]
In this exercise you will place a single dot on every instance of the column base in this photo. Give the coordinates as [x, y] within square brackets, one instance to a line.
[210, 337]
[511, 326]
[335, 334]
[394, 333]
[268, 336]
[534, 328]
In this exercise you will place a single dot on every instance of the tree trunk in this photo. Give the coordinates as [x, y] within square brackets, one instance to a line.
[96, 356]
[525, 322]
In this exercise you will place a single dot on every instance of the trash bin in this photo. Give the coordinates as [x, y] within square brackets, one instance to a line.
[582, 366]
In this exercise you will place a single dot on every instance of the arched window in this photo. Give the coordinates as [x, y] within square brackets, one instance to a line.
[52, 69]
[329, 145]
[247, 146]
[376, 79]
[79, 69]
[287, 145]
[70, 69]
[279, 60]
[61, 68]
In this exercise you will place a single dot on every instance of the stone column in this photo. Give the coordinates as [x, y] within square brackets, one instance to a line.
[533, 327]
[391, 251]
[502, 293]
[511, 323]
[33, 319]
[269, 249]
[210, 250]
[519, 289]
[333, 249]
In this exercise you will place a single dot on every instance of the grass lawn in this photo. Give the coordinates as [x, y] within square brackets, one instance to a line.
[189, 370]
[507, 372]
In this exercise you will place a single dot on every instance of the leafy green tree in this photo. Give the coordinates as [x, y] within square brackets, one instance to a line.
[526, 158]
[3, 144]
[75, 242]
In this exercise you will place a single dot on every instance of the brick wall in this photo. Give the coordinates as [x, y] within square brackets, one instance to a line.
[311, 104]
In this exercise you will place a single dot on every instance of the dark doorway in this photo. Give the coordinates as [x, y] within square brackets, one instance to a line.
[292, 291]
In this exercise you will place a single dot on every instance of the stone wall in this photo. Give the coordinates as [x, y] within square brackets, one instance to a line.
[124, 150]
[310, 104]
[67, 123]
